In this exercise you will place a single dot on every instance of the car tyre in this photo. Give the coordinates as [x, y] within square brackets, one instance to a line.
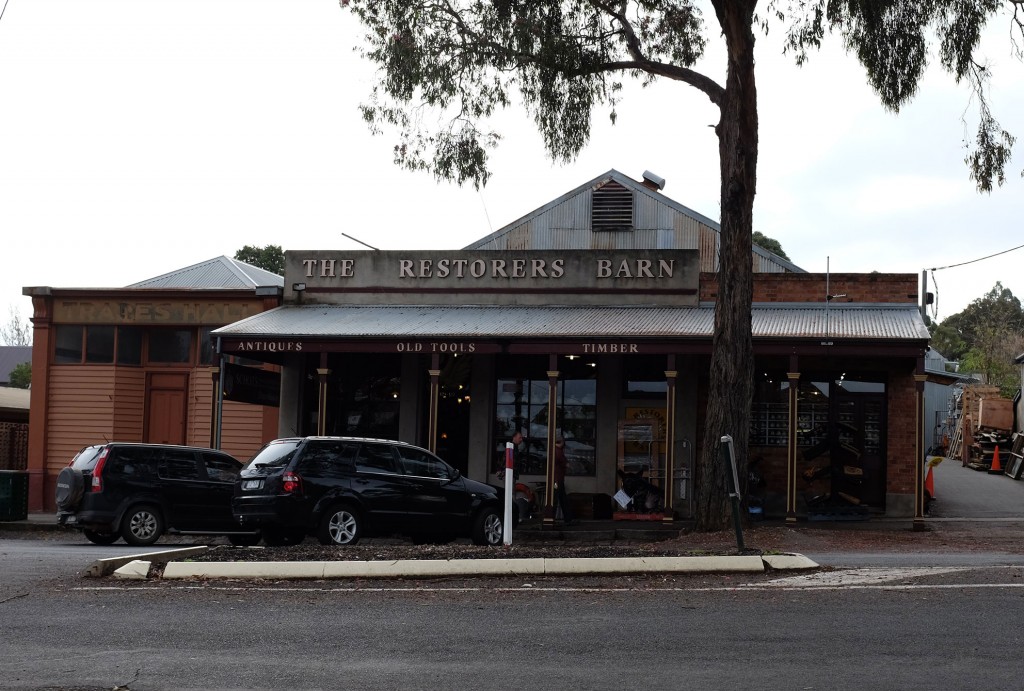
[100, 538]
[341, 525]
[487, 528]
[142, 525]
[70, 486]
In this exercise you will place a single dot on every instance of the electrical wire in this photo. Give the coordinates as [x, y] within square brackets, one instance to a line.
[935, 305]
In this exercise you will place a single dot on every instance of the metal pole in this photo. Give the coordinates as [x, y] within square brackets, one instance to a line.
[220, 398]
[510, 481]
[730, 454]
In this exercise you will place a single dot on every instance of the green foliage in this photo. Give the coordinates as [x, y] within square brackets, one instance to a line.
[985, 337]
[269, 258]
[769, 244]
[21, 376]
[448, 66]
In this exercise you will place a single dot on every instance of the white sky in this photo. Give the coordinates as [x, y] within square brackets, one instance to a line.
[142, 136]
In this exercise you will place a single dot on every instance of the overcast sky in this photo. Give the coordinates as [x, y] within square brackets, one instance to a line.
[142, 136]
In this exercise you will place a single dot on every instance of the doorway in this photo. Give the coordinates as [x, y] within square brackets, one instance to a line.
[166, 407]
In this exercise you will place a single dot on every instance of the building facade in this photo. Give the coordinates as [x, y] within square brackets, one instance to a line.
[592, 318]
[138, 364]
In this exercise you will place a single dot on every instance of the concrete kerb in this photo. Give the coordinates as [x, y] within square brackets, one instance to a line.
[105, 567]
[427, 568]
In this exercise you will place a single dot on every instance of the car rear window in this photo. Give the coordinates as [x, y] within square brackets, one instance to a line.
[86, 458]
[274, 455]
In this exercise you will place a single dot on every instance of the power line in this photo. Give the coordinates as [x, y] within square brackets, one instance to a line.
[953, 266]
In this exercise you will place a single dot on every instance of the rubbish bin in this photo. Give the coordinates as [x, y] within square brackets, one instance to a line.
[13, 495]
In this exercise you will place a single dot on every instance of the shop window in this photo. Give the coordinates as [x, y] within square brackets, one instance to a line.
[99, 344]
[769, 418]
[170, 346]
[522, 404]
[207, 347]
[68, 345]
[645, 378]
[362, 396]
[129, 345]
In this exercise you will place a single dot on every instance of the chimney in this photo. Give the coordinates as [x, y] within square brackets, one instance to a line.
[653, 182]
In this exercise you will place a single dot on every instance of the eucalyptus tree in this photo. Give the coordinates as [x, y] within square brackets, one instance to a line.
[446, 66]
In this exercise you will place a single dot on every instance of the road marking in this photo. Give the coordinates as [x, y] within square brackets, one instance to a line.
[849, 579]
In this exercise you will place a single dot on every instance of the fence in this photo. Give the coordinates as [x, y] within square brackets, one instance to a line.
[13, 445]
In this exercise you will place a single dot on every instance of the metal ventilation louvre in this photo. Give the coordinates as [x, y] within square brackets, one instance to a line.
[612, 208]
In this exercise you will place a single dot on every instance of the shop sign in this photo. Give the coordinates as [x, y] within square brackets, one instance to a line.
[435, 347]
[269, 347]
[251, 385]
[143, 312]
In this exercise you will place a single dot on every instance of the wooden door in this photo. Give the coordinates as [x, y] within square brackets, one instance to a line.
[166, 408]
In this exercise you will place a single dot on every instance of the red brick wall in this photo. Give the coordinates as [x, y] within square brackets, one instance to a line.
[885, 288]
[902, 394]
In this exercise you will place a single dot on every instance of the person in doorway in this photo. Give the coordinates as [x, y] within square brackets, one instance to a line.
[561, 496]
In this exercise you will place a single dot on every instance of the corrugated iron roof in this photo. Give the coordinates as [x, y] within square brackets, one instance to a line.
[898, 323]
[219, 272]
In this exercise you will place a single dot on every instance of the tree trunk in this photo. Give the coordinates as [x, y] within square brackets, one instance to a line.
[732, 360]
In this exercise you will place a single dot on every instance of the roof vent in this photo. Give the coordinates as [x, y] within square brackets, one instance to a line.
[611, 208]
[652, 181]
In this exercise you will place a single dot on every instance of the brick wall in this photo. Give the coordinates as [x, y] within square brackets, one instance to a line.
[901, 438]
[884, 288]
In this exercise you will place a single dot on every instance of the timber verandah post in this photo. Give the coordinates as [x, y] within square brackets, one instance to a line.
[432, 415]
[670, 438]
[919, 380]
[791, 444]
[321, 414]
[549, 491]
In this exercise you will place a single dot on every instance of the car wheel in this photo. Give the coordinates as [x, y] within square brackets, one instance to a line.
[341, 525]
[244, 540]
[487, 529]
[100, 538]
[142, 525]
[281, 537]
[70, 486]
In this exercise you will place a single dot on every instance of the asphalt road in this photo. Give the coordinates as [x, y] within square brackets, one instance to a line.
[858, 629]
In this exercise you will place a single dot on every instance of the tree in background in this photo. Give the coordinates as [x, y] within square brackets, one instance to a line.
[767, 243]
[269, 258]
[17, 331]
[21, 376]
[448, 65]
[985, 338]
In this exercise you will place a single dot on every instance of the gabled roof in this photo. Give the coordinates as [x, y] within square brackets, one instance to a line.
[11, 357]
[638, 188]
[219, 272]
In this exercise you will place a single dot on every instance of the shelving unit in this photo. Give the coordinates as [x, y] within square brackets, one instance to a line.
[769, 421]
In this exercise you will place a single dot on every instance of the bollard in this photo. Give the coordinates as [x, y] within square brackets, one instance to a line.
[730, 458]
[510, 481]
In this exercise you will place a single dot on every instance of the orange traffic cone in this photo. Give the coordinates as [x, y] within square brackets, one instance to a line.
[929, 485]
[995, 468]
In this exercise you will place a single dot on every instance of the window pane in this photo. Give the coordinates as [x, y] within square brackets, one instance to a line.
[170, 345]
[221, 468]
[129, 345]
[178, 465]
[69, 344]
[375, 458]
[207, 346]
[422, 464]
[99, 344]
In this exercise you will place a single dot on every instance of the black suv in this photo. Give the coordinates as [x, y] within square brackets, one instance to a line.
[341, 489]
[140, 491]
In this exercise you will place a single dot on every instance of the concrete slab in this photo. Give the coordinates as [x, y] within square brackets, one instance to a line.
[789, 562]
[105, 567]
[134, 570]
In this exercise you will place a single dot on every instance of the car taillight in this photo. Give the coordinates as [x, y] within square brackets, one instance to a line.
[97, 473]
[291, 483]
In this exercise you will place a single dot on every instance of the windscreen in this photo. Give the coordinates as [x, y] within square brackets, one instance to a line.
[273, 455]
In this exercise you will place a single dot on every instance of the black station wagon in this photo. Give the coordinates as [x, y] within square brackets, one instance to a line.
[141, 491]
[341, 489]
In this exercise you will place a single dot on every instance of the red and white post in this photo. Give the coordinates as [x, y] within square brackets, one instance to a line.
[510, 482]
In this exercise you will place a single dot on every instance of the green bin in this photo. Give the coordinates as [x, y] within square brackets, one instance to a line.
[13, 495]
